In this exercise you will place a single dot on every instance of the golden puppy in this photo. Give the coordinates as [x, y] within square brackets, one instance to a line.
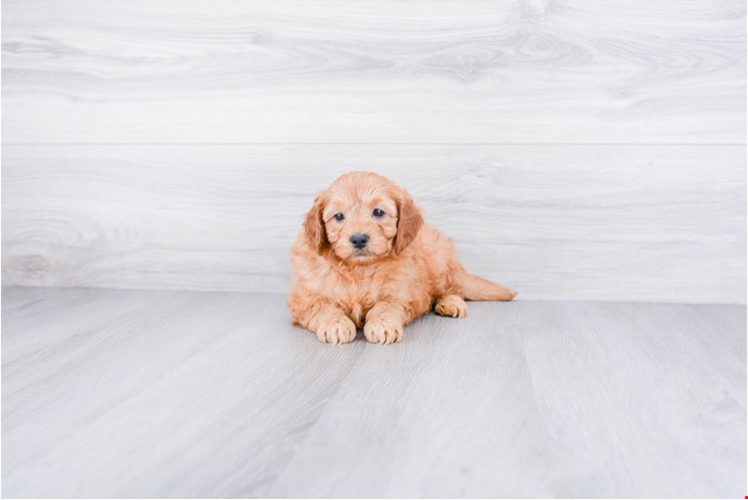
[365, 258]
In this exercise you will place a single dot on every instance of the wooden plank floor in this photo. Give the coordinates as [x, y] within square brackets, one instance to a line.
[193, 394]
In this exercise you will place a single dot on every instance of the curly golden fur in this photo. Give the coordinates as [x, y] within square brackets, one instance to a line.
[365, 259]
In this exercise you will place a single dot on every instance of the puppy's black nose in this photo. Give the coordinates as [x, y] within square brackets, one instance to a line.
[359, 240]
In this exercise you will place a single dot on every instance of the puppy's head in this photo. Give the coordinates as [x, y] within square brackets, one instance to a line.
[361, 218]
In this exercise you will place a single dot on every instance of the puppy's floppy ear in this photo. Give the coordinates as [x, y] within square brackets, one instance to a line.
[314, 227]
[409, 222]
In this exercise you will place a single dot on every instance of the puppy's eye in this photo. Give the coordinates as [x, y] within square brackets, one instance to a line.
[378, 212]
[339, 216]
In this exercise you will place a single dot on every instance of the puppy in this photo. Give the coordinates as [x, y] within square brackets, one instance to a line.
[365, 259]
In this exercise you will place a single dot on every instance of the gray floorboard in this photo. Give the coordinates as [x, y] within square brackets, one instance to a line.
[189, 394]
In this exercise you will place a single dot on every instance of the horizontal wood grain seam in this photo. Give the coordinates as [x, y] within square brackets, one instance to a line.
[374, 143]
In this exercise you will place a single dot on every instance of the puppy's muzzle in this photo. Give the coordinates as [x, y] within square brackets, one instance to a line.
[359, 240]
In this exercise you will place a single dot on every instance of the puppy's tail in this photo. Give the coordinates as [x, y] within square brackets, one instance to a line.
[477, 288]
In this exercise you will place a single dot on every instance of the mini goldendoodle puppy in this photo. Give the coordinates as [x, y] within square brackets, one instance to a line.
[365, 258]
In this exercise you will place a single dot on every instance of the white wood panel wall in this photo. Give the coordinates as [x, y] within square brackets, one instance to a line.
[573, 149]
[572, 222]
[387, 71]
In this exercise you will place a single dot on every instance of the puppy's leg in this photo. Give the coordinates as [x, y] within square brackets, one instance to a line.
[323, 318]
[333, 327]
[451, 306]
[384, 323]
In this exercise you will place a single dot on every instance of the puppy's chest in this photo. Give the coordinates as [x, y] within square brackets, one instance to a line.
[361, 298]
[357, 297]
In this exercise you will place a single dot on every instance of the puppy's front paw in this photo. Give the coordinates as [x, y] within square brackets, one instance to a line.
[383, 331]
[451, 306]
[338, 330]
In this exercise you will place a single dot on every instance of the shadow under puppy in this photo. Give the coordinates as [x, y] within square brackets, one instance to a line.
[365, 258]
